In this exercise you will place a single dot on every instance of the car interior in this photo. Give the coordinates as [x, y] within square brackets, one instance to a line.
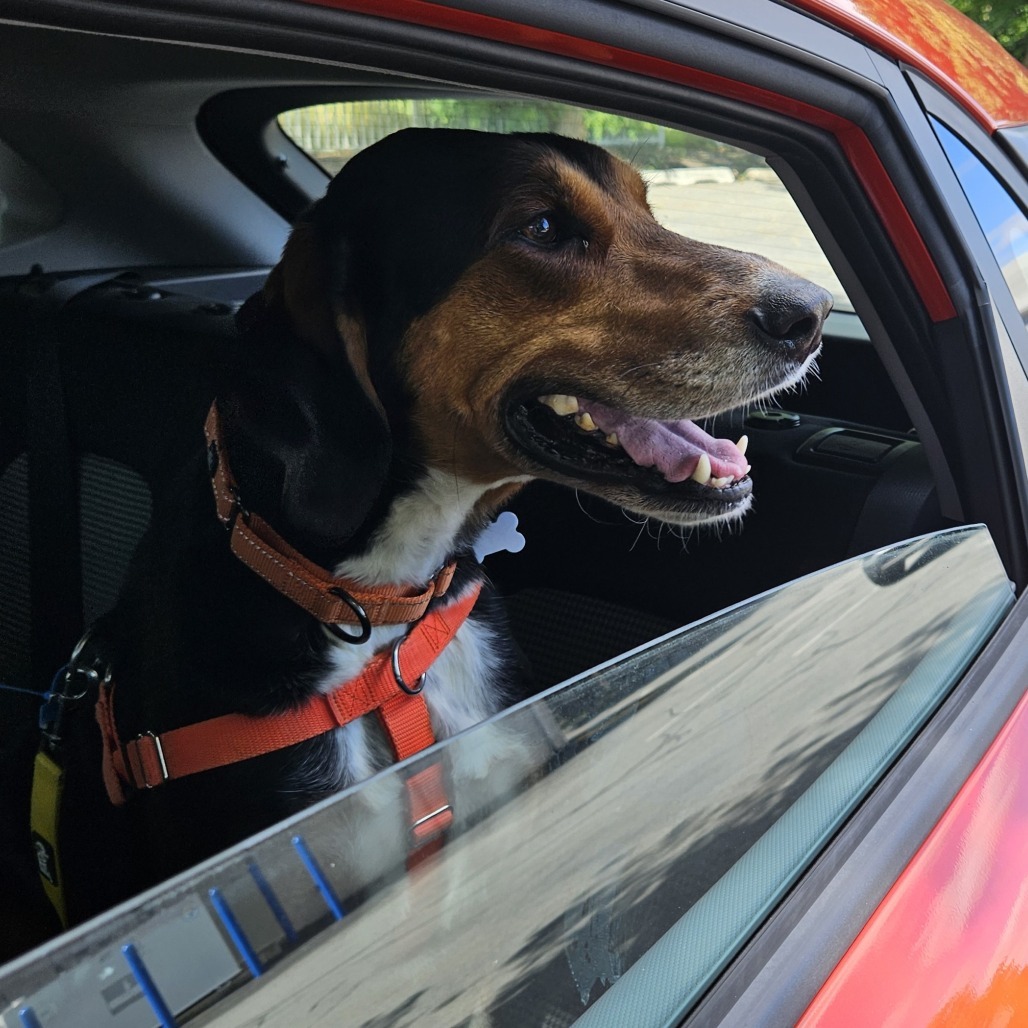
[143, 199]
[137, 346]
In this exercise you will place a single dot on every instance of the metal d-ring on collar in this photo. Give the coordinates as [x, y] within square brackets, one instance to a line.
[362, 616]
[410, 690]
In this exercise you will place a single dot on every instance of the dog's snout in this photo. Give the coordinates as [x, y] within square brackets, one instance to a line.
[791, 319]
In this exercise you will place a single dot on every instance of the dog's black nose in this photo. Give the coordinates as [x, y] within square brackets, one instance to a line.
[791, 319]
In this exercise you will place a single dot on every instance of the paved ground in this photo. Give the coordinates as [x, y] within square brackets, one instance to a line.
[748, 214]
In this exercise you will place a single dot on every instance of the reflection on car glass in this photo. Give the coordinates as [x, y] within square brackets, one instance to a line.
[668, 799]
[1002, 220]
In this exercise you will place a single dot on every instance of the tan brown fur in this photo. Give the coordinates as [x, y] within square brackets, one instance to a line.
[645, 317]
[624, 313]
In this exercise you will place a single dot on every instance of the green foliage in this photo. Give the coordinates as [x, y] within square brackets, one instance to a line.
[1004, 20]
[334, 132]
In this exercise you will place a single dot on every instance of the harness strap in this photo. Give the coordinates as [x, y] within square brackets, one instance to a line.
[330, 599]
[429, 811]
[389, 684]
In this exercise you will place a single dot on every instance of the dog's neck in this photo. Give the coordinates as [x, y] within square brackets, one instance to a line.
[423, 528]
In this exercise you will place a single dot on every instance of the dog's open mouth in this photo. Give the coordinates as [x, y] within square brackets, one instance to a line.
[592, 442]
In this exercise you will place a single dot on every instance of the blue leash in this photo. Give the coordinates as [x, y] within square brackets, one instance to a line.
[28, 692]
[49, 697]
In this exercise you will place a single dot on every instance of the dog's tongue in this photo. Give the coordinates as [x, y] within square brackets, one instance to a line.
[673, 448]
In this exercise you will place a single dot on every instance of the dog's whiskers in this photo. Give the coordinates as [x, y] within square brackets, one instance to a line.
[592, 517]
[645, 367]
[638, 535]
[453, 456]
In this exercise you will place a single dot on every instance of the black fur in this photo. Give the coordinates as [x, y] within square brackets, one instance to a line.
[196, 633]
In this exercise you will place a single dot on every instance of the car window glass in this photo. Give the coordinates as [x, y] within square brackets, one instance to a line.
[698, 186]
[28, 205]
[1001, 219]
[622, 835]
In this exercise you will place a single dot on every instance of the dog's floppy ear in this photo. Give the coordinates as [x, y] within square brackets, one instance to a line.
[299, 284]
[306, 285]
[310, 443]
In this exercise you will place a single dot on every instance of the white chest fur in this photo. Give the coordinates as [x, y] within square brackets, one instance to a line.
[414, 540]
[459, 690]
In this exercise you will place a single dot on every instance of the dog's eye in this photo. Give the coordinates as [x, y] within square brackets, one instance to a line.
[542, 229]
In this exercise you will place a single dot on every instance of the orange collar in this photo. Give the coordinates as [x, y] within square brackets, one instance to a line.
[331, 600]
[384, 686]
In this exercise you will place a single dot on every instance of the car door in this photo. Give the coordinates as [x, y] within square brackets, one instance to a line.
[564, 910]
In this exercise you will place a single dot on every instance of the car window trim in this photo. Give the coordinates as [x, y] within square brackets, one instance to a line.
[634, 42]
[774, 979]
[1000, 319]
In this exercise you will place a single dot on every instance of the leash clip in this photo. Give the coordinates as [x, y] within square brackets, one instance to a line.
[72, 683]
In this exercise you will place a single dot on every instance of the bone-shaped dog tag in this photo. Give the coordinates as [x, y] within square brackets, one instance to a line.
[501, 534]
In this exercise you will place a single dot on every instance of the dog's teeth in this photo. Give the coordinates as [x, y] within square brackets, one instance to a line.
[702, 473]
[747, 471]
[744, 441]
[585, 422]
[612, 439]
[560, 403]
[720, 483]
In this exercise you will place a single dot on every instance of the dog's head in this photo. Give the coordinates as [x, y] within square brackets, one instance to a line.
[510, 308]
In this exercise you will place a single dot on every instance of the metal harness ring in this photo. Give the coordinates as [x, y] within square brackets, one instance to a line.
[410, 690]
[365, 622]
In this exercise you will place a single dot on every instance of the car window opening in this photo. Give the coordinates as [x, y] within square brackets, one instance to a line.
[671, 736]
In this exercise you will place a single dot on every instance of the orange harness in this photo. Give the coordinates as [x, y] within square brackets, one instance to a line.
[383, 686]
[150, 760]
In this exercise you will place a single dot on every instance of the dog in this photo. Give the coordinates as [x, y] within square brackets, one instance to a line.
[462, 312]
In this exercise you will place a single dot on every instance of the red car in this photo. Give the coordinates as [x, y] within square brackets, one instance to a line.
[774, 777]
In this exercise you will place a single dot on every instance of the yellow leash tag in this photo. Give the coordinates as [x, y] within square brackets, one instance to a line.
[47, 789]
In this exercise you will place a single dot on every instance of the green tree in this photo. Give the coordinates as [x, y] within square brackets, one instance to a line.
[1004, 20]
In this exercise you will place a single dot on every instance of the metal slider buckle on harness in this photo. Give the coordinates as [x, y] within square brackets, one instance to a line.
[160, 761]
[418, 835]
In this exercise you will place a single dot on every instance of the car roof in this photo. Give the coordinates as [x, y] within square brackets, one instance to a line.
[942, 44]
[929, 35]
